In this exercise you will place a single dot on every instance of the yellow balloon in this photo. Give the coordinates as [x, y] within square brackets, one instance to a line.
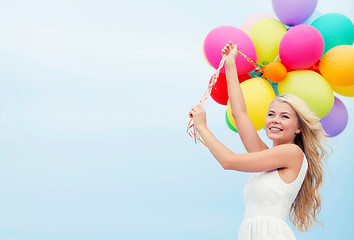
[253, 18]
[337, 65]
[347, 91]
[310, 87]
[258, 94]
[266, 35]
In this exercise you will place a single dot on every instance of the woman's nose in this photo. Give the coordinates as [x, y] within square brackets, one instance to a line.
[275, 119]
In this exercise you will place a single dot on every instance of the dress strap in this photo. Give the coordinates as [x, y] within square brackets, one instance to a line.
[303, 169]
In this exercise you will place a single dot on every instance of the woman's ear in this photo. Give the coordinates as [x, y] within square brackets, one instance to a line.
[298, 130]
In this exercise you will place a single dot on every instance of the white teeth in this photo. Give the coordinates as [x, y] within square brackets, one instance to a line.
[275, 129]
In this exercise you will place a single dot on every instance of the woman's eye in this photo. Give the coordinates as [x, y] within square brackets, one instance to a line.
[284, 116]
[270, 114]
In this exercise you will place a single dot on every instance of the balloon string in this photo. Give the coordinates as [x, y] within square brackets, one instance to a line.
[276, 59]
[257, 68]
[191, 131]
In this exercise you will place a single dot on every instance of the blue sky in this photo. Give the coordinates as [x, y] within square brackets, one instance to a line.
[94, 101]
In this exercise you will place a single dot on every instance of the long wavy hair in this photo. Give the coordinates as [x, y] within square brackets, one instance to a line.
[311, 140]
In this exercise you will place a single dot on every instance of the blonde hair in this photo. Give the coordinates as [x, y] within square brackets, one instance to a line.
[311, 140]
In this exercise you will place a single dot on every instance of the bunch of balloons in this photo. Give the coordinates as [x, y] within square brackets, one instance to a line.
[302, 52]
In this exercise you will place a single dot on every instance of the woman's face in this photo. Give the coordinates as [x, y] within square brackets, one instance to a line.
[281, 123]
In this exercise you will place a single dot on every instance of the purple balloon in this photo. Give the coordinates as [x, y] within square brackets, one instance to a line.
[336, 120]
[294, 12]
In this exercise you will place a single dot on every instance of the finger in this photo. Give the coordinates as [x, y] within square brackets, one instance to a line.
[199, 108]
[192, 112]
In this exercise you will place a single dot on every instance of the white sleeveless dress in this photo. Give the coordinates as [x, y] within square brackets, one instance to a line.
[268, 200]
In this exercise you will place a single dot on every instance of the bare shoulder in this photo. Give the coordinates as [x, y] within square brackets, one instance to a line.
[293, 160]
[290, 149]
[292, 153]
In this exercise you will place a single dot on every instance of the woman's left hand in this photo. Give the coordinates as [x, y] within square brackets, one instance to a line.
[231, 50]
[199, 116]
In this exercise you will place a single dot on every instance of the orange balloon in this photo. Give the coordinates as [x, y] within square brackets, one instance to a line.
[337, 65]
[347, 91]
[275, 72]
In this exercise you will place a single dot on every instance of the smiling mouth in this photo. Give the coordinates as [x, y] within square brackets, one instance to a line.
[275, 129]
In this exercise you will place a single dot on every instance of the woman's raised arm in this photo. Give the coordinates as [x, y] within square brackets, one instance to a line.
[245, 127]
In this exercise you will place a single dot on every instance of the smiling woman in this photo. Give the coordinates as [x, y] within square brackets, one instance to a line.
[287, 176]
[281, 122]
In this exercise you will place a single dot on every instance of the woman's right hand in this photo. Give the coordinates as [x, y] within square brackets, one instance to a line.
[230, 50]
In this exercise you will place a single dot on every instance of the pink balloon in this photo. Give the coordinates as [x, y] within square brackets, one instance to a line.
[253, 18]
[301, 47]
[216, 40]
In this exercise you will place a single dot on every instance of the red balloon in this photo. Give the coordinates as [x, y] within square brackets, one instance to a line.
[243, 77]
[219, 91]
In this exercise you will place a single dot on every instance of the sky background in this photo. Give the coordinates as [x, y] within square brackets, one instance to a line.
[94, 102]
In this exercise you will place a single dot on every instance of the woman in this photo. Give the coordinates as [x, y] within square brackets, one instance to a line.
[287, 176]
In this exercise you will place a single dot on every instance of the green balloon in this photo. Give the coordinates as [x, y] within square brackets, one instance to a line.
[336, 29]
[229, 124]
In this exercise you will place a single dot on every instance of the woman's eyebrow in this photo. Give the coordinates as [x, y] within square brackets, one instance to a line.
[280, 113]
[285, 113]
